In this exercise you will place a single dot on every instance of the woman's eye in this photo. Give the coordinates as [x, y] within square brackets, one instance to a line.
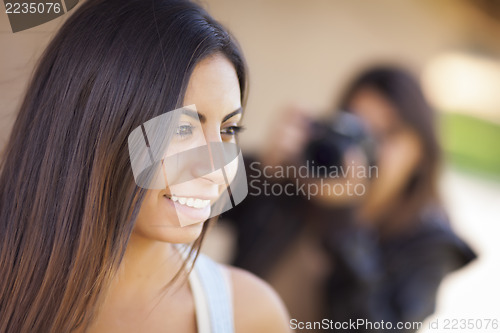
[184, 131]
[232, 130]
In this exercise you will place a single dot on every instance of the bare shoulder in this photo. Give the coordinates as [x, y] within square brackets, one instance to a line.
[257, 307]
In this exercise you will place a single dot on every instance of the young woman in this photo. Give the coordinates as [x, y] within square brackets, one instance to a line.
[417, 246]
[82, 247]
[377, 256]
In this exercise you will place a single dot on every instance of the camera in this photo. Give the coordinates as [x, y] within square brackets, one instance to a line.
[330, 141]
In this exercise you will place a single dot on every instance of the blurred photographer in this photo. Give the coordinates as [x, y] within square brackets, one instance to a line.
[376, 253]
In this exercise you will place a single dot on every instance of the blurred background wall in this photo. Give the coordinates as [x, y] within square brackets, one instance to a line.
[304, 51]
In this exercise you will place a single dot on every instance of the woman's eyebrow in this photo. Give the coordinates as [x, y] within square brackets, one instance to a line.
[194, 114]
[232, 114]
[202, 118]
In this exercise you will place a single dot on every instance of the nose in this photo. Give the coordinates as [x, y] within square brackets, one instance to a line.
[212, 169]
[212, 134]
[217, 177]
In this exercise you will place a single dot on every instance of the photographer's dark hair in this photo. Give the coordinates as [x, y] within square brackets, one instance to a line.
[68, 200]
[401, 89]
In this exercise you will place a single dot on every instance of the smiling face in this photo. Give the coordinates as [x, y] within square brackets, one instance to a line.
[214, 89]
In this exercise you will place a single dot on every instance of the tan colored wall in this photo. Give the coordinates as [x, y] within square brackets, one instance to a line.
[306, 50]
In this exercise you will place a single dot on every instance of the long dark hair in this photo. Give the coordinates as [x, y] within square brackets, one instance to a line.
[68, 201]
[400, 88]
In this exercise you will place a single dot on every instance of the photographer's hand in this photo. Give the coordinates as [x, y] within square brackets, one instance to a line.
[286, 142]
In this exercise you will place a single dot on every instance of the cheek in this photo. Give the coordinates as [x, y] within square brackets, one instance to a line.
[231, 169]
[402, 153]
[153, 213]
[146, 212]
[157, 222]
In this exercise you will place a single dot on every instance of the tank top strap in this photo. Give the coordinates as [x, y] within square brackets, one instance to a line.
[211, 289]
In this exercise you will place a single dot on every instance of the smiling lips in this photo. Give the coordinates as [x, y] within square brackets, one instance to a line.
[190, 202]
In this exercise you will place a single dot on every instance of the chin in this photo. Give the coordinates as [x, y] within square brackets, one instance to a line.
[181, 235]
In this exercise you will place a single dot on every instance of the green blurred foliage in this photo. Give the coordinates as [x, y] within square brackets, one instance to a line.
[471, 143]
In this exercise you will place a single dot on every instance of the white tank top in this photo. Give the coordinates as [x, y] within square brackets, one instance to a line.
[211, 288]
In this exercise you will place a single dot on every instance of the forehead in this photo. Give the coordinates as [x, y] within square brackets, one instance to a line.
[214, 87]
[374, 108]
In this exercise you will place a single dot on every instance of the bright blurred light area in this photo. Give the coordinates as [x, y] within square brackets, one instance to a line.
[462, 82]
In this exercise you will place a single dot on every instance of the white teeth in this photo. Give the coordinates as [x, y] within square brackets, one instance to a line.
[191, 202]
[198, 203]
